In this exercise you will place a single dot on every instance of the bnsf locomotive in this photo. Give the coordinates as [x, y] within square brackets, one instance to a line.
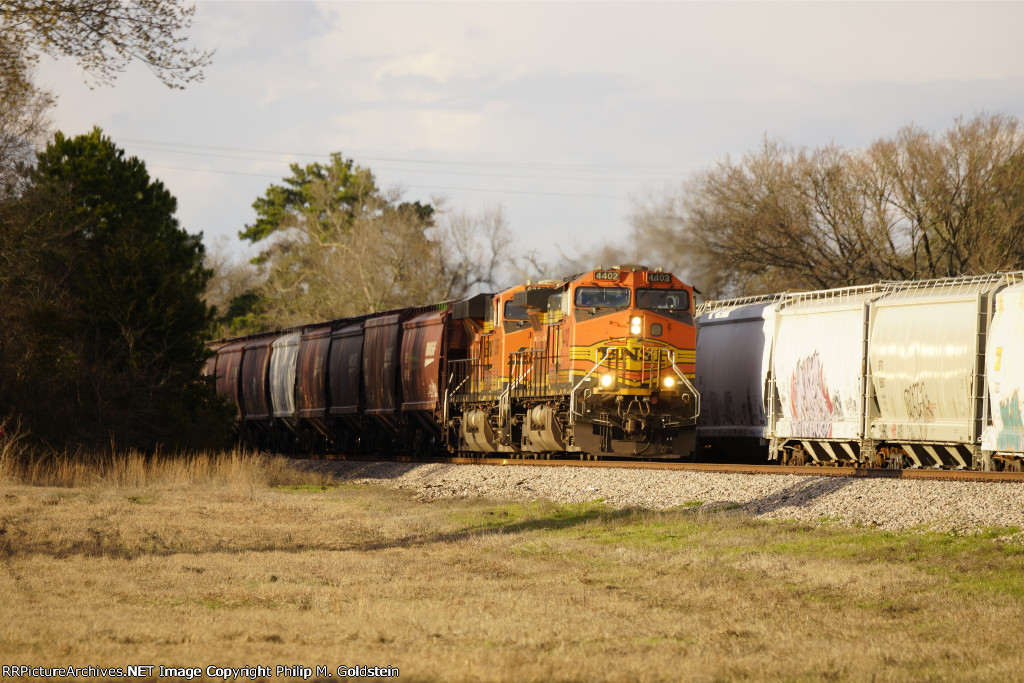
[599, 364]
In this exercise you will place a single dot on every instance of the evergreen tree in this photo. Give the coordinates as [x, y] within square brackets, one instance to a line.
[106, 318]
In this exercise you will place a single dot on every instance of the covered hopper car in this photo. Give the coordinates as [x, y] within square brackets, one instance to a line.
[599, 364]
[898, 374]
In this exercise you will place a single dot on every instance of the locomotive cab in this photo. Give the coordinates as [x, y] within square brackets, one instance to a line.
[632, 341]
[598, 364]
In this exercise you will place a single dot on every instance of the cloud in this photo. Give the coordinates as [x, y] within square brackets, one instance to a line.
[565, 108]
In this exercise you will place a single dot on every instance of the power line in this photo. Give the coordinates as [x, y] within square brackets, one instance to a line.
[413, 170]
[594, 168]
[416, 187]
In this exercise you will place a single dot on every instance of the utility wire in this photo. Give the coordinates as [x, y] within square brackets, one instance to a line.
[155, 145]
[403, 185]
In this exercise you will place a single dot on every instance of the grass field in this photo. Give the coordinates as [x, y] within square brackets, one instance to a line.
[242, 561]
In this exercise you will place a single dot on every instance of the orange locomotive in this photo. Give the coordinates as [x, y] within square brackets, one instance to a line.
[599, 364]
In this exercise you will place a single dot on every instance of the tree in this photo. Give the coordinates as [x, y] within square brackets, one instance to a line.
[915, 206]
[103, 36]
[23, 128]
[334, 244]
[104, 322]
[231, 292]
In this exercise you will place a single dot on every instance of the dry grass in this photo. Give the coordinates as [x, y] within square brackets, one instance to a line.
[241, 560]
[238, 468]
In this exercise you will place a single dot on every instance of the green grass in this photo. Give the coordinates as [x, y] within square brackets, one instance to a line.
[981, 563]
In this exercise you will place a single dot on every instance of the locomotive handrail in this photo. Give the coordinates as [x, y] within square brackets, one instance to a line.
[505, 401]
[572, 393]
[455, 363]
[686, 381]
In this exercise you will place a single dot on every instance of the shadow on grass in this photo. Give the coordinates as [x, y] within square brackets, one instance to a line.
[558, 521]
[798, 494]
[100, 544]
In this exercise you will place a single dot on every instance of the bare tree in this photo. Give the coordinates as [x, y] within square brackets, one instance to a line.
[103, 36]
[474, 249]
[917, 205]
[335, 245]
[24, 127]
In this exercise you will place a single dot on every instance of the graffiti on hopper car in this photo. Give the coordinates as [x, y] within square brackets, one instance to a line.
[1010, 436]
[813, 408]
[919, 408]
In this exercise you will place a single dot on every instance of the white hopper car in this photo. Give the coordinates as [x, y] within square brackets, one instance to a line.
[897, 374]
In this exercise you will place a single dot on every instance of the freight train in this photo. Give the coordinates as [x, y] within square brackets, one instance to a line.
[597, 365]
[895, 374]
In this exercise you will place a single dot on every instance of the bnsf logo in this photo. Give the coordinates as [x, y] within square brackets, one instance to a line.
[612, 275]
[659, 277]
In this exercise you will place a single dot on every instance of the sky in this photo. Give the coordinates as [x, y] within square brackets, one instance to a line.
[566, 114]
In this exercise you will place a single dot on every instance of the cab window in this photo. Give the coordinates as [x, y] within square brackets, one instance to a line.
[602, 297]
[513, 312]
[674, 303]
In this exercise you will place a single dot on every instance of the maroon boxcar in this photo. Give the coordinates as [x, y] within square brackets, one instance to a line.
[255, 394]
[382, 346]
[423, 351]
[311, 375]
[429, 341]
[228, 378]
[345, 370]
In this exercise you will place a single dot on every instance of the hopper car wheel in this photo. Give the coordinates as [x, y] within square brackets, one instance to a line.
[795, 457]
[1014, 466]
[879, 459]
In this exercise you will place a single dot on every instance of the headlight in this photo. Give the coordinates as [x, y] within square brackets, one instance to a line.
[636, 325]
[668, 382]
[607, 381]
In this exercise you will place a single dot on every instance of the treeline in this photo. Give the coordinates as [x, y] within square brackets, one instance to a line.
[103, 323]
[917, 205]
[332, 243]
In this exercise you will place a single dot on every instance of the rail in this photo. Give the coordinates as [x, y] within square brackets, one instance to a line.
[538, 460]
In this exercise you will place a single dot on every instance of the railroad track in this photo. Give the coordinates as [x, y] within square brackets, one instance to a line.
[804, 471]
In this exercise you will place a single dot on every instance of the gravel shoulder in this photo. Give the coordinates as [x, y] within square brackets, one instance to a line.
[885, 503]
